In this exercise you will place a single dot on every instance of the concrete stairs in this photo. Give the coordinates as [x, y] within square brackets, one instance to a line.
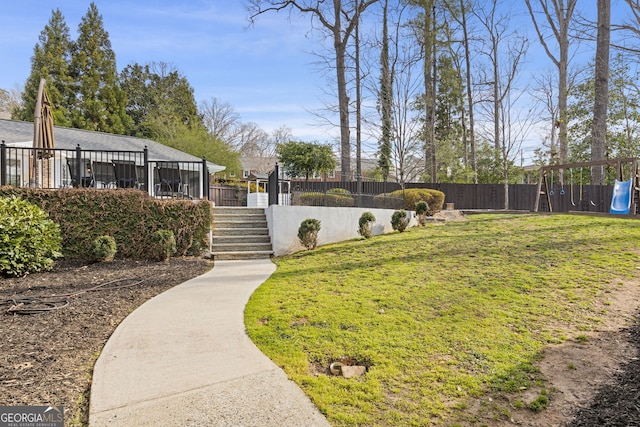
[240, 233]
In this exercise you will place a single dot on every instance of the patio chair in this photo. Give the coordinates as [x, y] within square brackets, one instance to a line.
[141, 174]
[126, 174]
[169, 181]
[85, 179]
[103, 174]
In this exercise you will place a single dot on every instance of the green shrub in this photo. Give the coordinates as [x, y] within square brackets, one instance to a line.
[422, 211]
[29, 240]
[387, 201]
[308, 233]
[411, 196]
[104, 249]
[399, 220]
[339, 190]
[163, 245]
[364, 224]
[129, 215]
[328, 199]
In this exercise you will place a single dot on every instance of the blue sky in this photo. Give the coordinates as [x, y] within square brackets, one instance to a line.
[263, 71]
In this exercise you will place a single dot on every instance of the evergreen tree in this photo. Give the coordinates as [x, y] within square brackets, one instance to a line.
[99, 103]
[448, 125]
[159, 98]
[623, 115]
[51, 57]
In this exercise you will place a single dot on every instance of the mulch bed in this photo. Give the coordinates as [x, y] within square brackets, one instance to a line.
[616, 404]
[46, 357]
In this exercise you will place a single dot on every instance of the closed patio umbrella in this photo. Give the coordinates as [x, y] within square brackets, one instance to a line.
[42, 131]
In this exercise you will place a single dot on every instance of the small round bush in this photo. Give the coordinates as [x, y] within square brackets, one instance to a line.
[399, 220]
[163, 245]
[29, 240]
[103, 249]
[422, 211]
[308, 233]
[364, 224]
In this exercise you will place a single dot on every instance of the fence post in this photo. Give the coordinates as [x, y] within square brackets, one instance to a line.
[3, 163]
[274, 186]
[145, 160]
[205, 179]
[79, 171]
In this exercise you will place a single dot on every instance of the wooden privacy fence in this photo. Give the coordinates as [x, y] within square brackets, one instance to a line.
[484, 196]
[587, 198]
[565, 198]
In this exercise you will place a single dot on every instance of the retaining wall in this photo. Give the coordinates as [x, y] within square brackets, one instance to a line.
[336, 225]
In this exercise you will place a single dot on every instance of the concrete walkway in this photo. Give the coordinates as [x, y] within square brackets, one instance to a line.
[183, 359]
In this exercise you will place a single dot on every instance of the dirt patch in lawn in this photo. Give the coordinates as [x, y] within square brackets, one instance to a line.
[591, 379]
[47, 358]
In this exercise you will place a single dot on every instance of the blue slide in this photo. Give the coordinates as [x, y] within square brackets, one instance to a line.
[621, 200]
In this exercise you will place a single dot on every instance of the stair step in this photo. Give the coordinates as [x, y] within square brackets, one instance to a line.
[248, 238]
[235, 247]
[241, 255]
[238, 211]
[240, 233]
[217, 232]
[239, 224]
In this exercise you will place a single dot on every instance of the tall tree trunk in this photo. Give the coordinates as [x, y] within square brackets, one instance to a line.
[358, 110]
[429, 38]
[563, 93]
[496, 97]
[599, 131]
[386, 99]
[343, 97]
[558, 20]
[467, 59]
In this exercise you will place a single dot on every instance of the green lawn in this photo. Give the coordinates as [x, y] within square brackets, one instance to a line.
[441, 315]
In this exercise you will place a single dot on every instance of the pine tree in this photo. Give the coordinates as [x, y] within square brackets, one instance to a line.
[50, 61]
[99, 102]
[159, 99]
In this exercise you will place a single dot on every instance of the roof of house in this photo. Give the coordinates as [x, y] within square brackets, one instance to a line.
[13, 132]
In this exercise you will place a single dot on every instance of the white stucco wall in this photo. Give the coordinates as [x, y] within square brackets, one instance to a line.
[336, 225]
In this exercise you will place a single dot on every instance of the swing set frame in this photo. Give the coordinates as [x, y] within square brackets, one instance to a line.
[543, 184]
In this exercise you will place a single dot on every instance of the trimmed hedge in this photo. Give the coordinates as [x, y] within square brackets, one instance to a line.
[332, 199]
[434, 198]
[130, 216]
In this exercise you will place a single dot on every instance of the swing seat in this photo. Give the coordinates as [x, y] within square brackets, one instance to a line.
[621, 200]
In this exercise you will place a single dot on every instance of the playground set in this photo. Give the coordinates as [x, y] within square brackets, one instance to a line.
[571, 187]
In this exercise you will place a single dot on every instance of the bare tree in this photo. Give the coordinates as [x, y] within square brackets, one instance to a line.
[545, 93]
[500, 77]
[405, 126]
[557, 14]
[221, 120]
[10, 100]
[339, 18]
[253, 141]
[601, 90]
